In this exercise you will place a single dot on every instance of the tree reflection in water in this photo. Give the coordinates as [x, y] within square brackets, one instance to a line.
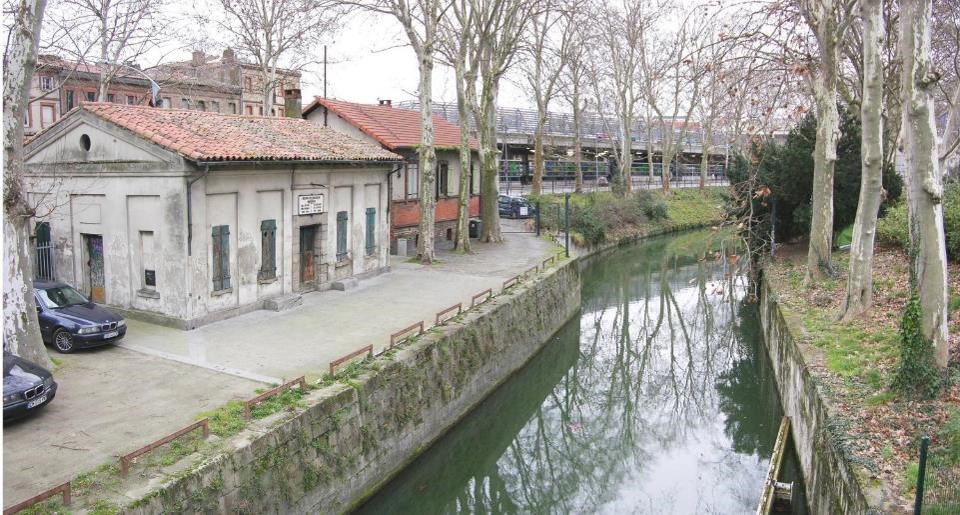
[656, 400]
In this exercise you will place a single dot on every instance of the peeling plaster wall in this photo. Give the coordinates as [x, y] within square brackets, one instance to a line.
[350, 439]
[834, 483]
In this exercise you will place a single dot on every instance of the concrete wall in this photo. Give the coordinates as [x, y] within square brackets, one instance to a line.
[834, 483]
[350, 439]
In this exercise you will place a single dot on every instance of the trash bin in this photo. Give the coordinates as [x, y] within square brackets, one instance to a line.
[474, 229]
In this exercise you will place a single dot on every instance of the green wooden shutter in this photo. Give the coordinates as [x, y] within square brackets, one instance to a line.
[341, 235]
[217, 251]
[268, 249]
[371, 228]
[220, 238]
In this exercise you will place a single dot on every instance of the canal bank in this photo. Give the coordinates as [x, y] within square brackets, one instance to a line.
[834, 482]
[352, 436]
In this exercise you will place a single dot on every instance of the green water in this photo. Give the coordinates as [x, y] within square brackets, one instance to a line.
[656, 398]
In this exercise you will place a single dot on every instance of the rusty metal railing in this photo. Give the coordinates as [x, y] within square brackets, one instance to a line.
[127, 458]
[248, 404]
[394, 337]
[368, 350]
[458, 306]
[42, 496]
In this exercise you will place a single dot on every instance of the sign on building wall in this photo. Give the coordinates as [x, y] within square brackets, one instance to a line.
[310, 204]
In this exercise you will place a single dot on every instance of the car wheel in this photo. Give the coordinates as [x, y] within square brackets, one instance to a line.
[63, 341]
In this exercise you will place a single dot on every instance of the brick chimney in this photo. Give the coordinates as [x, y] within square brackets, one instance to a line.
[386, 102]
[199, 58]
[229, 57]
[292, 103]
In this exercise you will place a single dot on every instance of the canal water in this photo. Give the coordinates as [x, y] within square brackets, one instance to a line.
[656, 398]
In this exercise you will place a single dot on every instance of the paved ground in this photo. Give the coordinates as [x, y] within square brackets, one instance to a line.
[110, 401]
[272, 346]
[113, 400]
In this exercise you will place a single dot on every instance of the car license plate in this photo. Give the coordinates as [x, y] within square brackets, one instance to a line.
[523, 211]
[36, 402]
[111, 334]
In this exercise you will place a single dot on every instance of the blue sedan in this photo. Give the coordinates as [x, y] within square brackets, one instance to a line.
[69, 321]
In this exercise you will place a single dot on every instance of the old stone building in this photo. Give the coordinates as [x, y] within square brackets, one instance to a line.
[398, 130]
[189, 217]
[223, 84]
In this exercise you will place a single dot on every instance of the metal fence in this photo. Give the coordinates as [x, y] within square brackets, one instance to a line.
[938, 483]
[43, 264]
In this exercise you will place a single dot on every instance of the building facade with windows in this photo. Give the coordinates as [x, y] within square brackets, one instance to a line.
[398, 130]
[59, 85]
[189, 217]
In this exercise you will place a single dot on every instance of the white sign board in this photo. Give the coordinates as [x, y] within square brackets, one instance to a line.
[310, 204]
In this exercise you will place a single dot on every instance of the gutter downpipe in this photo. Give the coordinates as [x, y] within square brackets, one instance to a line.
[206, 171]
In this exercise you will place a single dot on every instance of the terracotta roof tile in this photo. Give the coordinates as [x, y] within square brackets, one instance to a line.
[206, 136]
[393, 127]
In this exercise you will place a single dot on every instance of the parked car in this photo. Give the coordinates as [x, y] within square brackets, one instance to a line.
[69, 321]
[26, 387]
[515, 207]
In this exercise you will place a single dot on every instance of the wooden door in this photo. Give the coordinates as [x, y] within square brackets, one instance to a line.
[308, 269]
[93, 244]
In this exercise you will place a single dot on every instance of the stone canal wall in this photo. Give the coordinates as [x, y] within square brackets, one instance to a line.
[352, 438]
[834, 484]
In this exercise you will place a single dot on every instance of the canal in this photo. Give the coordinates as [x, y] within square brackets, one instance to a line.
[656, 398]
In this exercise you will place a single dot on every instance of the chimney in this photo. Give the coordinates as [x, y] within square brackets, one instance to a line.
[292, 104]
[229, 57]
[199, 58]
[386, 102]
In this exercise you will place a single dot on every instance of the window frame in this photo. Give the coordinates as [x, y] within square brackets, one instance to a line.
[415, 179]
[371, 227]
[343, 247]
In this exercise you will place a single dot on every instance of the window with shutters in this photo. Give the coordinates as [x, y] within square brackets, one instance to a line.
[220, 238]
[371, 231]
[70, 100]
[413, 180]
[268, 250]
[443, 179]
[341, 235]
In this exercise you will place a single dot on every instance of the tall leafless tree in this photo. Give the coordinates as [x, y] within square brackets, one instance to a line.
[272, 33]
[21, 331]
[574, 77]
[928, 258]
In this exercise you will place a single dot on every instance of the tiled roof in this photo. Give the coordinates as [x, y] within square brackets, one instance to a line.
[393, 127]
[206, 136]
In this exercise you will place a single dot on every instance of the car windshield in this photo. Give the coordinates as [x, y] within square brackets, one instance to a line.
[61, 297]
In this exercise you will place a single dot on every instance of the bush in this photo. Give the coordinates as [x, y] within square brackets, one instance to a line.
[918, 372]
[654, 208]
[586, 221]
[892, 228]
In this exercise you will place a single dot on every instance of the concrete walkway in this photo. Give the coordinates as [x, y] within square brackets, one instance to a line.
[114, 400]
[270, 346]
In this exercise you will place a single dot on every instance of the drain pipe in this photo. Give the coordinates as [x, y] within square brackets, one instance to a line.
[206, 170]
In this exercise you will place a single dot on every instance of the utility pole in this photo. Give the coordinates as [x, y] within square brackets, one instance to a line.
[325, 83]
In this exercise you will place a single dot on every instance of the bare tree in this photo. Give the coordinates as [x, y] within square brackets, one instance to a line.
[498, 25]
[545, 53]
[574, 76]
[928, 258]
[945, 48]
[616, 75]
[108, 33]
[21, 331]
[271, 32]
[672, 76]
[859, 294]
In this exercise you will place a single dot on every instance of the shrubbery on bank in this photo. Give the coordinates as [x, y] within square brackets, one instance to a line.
[599, 217]
[892, 227]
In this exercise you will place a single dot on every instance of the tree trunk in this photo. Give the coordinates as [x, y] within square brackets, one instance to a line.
[622, 186]
[666, 158]
[825, 151]
[462, 240]
[538, 162]
[705, 155]
[487, 129]
[925, 192]
[21, 331]
[577, 143]
[428, 158]
[859, 296]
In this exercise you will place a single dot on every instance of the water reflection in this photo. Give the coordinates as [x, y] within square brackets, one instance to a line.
[657, 399]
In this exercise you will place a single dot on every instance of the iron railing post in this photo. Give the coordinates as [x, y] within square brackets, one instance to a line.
[918, 502]
[566, 224]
